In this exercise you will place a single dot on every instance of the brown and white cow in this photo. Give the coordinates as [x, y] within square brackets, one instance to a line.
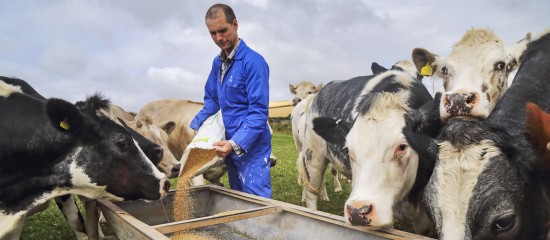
[180, 113]
[159, 135]
[301, 90]
[474, 74]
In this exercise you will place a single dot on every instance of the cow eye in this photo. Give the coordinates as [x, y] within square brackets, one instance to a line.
[499, 66]
[123, 144]
[309, 92]
[444, 70]
[402, 147]
[504, 223]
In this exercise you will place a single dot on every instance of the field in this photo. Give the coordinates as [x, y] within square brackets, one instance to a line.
[50, 224]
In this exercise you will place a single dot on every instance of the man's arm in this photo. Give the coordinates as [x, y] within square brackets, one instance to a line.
[257, 87]
[211, 105]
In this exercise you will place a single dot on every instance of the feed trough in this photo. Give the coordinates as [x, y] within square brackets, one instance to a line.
[220, 213]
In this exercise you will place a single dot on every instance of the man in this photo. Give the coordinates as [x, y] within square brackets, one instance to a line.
[238, 84]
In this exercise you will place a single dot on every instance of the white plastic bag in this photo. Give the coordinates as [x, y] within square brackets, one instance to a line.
[201, 150]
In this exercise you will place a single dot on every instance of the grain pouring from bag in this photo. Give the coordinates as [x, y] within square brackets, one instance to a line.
[183, 205]
[200, 152]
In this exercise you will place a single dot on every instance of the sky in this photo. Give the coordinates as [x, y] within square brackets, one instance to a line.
[137, 51]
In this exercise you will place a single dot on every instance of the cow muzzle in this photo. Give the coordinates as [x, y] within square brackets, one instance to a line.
[295, 101]
[458, 104]
[359, 213]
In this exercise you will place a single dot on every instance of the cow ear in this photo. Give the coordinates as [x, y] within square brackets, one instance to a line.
[318, 88]
[377, 68]
[516, 51]
[426, 147]
[292, 88]
[169, 127]
[333, 131]
[422, 58]
[426, 120]
[64, 116]
[538, 127]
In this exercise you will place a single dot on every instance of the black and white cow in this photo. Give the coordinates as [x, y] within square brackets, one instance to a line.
[67, 204]
[488, 182]
[474, 74]
[356, 125]
[402, 65]
[50, 148]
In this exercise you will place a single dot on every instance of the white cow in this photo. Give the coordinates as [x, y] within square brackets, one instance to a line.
[474, 74]
[301, 90]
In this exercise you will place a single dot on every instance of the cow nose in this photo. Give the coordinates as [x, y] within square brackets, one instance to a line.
[460, 104]
[175, 170]
[166, 186]
[359, 212]
[295, 101]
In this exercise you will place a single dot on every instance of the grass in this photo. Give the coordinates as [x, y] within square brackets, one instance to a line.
[50, 224]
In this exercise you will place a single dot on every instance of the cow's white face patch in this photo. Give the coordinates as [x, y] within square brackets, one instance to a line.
[383, 165]
[457, 174]
[303, 89]
[475, 74]
[8, 89]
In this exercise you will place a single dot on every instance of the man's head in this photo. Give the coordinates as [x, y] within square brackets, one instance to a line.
[222, 25]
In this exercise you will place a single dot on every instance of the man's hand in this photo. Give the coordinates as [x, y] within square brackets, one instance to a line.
[223, 148]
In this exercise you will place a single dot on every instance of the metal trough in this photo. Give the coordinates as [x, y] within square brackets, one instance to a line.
[221, 213]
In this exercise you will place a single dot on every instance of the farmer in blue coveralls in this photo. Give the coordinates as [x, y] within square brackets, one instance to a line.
[238, 84]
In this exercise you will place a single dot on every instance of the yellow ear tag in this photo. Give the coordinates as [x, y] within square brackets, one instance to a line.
[426, 70]
[64, 124]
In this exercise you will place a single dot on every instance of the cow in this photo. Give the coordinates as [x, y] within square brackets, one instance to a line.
[402, 65]
[356, 125]
[474, 74]
[143, 125]
[488, 181]
[298, 121]
[176, 114]
[71, 151]
[302, 89]
[67, 203]
[181, 112]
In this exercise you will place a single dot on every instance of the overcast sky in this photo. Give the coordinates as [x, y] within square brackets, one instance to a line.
[137, 51]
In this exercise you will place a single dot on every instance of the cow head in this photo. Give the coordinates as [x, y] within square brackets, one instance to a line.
[108, 161]
[302, 90]
[486, 183]
[383, 166]
[144, 126]
[474, 74]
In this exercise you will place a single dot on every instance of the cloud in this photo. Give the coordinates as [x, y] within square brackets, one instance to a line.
[136, 51]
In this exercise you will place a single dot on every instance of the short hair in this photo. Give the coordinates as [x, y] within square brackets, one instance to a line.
[214, 12]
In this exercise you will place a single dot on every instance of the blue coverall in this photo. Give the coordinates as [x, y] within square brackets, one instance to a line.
[243, 97]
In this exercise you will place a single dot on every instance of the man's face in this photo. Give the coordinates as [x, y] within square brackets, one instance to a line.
[224, 34]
